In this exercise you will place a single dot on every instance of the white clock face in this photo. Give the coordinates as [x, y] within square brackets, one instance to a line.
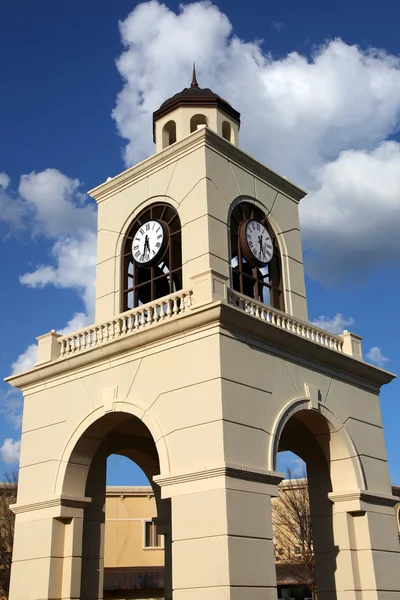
[259, 241]
[149, 243]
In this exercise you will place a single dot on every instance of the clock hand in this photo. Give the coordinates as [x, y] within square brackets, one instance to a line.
[146, 244]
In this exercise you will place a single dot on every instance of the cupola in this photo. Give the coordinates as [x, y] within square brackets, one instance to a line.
[192, 108]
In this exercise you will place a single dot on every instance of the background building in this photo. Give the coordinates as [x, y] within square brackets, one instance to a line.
[134, 553]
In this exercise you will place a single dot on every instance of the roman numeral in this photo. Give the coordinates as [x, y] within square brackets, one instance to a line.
[159, 236]
[136, 247]
[147, 226]
[137, 254]
[158, 245]
[141, 231]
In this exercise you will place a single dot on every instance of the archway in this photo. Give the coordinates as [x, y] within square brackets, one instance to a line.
[326, 452]
[121, 434]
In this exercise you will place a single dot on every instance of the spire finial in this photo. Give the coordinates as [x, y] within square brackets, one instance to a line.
[194, 83]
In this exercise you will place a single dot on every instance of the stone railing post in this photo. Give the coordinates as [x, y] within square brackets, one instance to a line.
[48, 347]
[209, 286]
[352, 344]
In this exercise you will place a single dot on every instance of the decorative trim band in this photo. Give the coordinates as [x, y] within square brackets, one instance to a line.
[232, 472]
[65, 501]
[364, 496]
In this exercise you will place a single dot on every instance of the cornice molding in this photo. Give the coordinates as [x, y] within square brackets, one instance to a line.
[64, 501]
[363, 496]
[231, 319]
[201, 138]
[225, 471]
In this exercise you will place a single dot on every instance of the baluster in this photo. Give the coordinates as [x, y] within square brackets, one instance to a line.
[150, 312]
[62, 348]
[156, 314]
[169, 309]
[185, 302]
[84, 340]
[124, 328]
[175, 308]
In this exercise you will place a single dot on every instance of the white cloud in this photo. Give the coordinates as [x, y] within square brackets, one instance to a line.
[4, 180]
[11, 403]
[10, 450]
[75, 267]
[26, 360]
[278, 25]
[375, 356]
[334, 324]
[351, 221]
[78, 321]
[321, 120]
[58, 206]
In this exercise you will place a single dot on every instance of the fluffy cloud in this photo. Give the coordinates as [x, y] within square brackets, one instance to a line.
[75, 266]
[11, 406]
[57, 204]
[375, 356]
[351, 221]
[52, 206]
[4, 180]
[321, 120]
[9, 451]
[334, 324]
[26, 360]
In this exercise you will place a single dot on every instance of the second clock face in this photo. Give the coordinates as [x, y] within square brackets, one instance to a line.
[149, 243]
[257, 242]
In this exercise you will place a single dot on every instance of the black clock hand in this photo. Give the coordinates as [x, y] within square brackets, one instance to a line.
[146, 244]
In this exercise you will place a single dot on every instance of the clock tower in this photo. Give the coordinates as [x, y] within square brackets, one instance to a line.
[201, 366]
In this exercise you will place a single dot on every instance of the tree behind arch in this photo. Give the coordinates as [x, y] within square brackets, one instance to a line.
[8, 495]
[292, 531]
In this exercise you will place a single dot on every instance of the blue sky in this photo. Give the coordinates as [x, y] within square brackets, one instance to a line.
[318, 104]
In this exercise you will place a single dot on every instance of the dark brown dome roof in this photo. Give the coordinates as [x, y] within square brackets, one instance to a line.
[196, 96]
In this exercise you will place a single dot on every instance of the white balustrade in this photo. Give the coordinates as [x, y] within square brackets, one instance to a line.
[126, 323]
[285, 321]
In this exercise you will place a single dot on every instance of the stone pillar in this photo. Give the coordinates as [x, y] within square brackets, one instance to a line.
[163, 524]
[93, 532]
[222, 546]
[365, 531]
[47, 550]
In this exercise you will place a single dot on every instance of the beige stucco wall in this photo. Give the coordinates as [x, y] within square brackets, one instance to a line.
[127, 510]
[200, 176]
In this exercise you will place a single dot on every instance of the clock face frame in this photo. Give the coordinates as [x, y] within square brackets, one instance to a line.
[255, 242]
[150, 242]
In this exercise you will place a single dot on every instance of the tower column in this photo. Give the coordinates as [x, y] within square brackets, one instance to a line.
[222, 544]
[365, 531]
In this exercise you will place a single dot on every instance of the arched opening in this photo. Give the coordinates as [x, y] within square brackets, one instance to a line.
[293, 541]
[144, 284]
[169, 134]
[227, 130]
[133, 544]
[197, 120]
[121, 540]
[261, 282]
[310, 556]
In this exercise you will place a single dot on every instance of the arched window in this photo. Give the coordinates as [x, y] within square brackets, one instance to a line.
[197, 120]
[261, 283]
[169, 134]
[143, 284]
[226, 130]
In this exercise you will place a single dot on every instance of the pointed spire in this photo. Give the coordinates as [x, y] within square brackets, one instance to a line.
[194, 83]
